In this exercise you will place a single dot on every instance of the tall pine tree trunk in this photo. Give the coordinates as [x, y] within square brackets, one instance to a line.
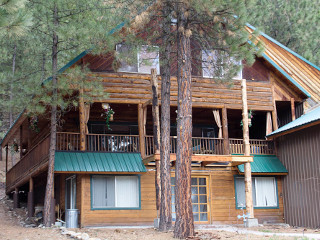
[165, 205]
[49, 196]
[184, 226]
[14, 55]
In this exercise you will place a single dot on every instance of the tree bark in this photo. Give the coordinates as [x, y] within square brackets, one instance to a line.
[11, 84]
[184, 226]
[49, 196]
[246, 146]
[165, 204]
[156, 132]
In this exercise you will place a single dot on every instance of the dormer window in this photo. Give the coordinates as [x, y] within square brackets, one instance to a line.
[141, 61]
[214, 64]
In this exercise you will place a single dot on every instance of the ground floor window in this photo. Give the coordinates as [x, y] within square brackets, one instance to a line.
[199, 197]
[264, 192]
[109, 192]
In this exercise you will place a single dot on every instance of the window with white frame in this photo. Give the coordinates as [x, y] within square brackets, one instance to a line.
[214, 64]
[264, 192]
[141, 61]
[115, 192]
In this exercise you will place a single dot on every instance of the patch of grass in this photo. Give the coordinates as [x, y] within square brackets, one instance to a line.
[264, 230]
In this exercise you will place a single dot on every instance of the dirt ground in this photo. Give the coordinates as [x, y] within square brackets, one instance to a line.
[12, 227]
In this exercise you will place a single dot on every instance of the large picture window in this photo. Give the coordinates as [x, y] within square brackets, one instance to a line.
[141, 61]
[215, 63]
[264, 192]
[109, 192]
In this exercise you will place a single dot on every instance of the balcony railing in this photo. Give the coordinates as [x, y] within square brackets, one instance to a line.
[32, 159]
[200, 145]
[112, 143]
[257, 146]
[130, 143]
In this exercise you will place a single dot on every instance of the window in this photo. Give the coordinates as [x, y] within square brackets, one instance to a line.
[199, 198]
[214, 64]
[264, 192]
[109, 192]
[141, 61]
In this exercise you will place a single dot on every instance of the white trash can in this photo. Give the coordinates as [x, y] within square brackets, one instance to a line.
[72, 218]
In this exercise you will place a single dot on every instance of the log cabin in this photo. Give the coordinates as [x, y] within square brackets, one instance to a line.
[108, 173]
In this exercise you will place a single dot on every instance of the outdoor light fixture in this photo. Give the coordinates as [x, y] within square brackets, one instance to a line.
[105, 106]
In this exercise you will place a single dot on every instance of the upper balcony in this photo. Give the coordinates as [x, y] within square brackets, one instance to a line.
[131, 143]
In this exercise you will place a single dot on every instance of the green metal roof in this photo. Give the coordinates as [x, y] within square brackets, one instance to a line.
[265, 164]
[98, 162]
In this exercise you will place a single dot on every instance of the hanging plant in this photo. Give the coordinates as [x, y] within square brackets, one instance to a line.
[108, 116]
[34, 124]
[14, 147]
[250, 117]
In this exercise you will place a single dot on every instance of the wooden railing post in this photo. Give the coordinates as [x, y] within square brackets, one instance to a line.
[82, 122]
[225, 133]
[247, 166]
[30, 199]
[141, 130]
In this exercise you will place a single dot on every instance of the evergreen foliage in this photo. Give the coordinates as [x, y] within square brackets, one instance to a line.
[294, 23]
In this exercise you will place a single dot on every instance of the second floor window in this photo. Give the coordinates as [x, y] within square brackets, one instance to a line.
[138, 61]
[215, 64]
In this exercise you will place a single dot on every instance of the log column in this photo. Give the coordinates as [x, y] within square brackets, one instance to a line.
[30, 199]
[16, 203]
[7, 157]
[247, 166]
[141, 130]
[82, 122]
[225, 133]
[293, 113]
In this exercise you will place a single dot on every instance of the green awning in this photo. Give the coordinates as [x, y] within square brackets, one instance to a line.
[98, 162]
[265, 164]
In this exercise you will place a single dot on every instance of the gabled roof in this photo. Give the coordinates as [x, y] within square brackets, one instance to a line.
[298, 70]
[307, 120]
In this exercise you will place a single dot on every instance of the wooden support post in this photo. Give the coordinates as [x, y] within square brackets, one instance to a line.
[82, 122]
[7, 156]
[30, 199]
[16, 198]
[156, 133]
[141, 130]
[247, 166]
[293, 113]
[274, 111]
[21, 133]
[225, 133]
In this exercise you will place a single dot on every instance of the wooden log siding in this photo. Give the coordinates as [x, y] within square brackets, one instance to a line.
[28, 163]
[222, 203]
[135, 89]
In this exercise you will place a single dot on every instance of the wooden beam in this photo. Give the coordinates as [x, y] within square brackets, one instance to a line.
[7, 156]
[21, 137]
[247, 166]
[82, 122]
[293, 113]
[226, 143]
[141, 130]
[274, 110]
[30, 204]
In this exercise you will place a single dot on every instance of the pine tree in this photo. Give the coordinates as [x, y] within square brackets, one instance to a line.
[214, 28]
[61, 29]
[294, 23]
